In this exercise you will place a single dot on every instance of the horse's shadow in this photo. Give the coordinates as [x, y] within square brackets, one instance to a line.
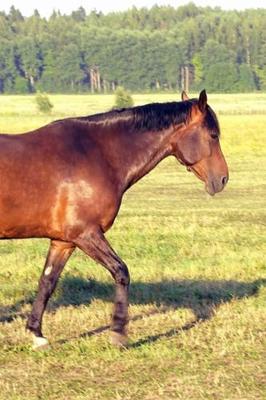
[203, 297]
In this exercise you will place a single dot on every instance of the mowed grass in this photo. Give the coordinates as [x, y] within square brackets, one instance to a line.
[198, 272]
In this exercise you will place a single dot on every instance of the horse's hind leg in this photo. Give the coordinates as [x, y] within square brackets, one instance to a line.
[96, 246]
[59, 253]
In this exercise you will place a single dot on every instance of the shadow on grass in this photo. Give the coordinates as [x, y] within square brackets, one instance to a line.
[203, 297]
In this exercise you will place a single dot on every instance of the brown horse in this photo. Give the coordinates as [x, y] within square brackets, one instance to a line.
[65, 182]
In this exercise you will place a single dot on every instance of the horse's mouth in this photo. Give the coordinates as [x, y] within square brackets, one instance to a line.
[209, 185]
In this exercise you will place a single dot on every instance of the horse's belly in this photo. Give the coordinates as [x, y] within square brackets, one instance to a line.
[24, 212]
[21, 221]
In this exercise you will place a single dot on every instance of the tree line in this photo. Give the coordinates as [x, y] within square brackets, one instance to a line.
[162, 48]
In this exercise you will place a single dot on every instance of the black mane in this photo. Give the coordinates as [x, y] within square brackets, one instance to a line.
[149, 117]
[153, 117]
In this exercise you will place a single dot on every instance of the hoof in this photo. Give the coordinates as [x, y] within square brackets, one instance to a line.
[40, 343]
[119, 340]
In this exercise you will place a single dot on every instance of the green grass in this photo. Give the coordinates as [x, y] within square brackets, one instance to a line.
[19, 113]
[198, 270]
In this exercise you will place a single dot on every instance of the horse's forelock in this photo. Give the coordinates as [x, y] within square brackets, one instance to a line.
[211, 122]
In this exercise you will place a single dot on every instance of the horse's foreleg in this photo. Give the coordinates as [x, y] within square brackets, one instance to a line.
[57, 257]
[97, 247]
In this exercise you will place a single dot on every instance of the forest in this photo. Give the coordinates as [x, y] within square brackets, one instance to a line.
[156, 49]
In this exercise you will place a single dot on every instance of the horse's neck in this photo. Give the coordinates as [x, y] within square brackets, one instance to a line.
[145, 152]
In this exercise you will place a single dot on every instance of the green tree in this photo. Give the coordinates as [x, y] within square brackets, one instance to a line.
[214, 53]
[30, 60]
[79, 15]
[260, 76]
[246, 82]
[141, 49]
[221, 77]
[69, 67]
[8, 71]
[50, 78]
[198, 69]
[21, 85]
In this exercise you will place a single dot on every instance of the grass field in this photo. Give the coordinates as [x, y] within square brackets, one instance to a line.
[198, 271]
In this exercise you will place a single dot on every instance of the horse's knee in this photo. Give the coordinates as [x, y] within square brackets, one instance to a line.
[122, 276]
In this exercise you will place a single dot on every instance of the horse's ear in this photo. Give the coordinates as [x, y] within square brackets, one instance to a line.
[184, 96]
[203, 100]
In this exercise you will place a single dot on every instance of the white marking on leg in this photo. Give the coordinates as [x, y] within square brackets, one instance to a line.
[39, 342]
[48, 270]
[119, 340]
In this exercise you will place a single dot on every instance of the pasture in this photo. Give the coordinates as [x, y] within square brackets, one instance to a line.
[198, 273]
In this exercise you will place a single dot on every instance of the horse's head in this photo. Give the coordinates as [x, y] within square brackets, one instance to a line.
[197, 145]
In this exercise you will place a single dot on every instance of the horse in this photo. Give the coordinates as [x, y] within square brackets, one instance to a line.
[65, 182]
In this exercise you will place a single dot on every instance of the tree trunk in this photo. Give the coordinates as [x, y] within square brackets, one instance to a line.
[98, 79]
[92, 79]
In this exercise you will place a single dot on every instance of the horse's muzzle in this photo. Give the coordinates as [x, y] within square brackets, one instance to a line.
[214, 186]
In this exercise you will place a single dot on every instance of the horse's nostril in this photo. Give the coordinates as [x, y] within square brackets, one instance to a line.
[224, 180]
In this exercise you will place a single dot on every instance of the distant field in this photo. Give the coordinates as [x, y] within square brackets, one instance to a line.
[19, 113]
[198, 271]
